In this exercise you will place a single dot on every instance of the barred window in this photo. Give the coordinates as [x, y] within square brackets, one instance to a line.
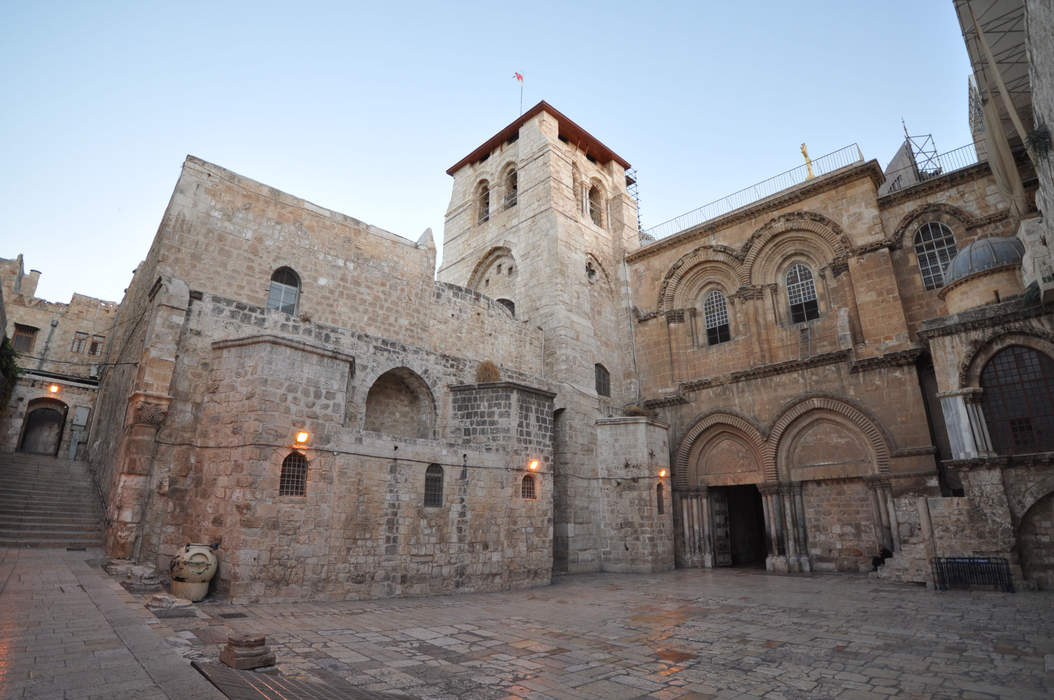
[24, 338]
[801, 294]
[1018, 400]
[934, 247]
[527, 488]
[596, 203]
[434, 486]
[483, 202]
[97, 342]
[285, 289]
[80, 339]
[603, 380]
[510, 188]
[658, 498]
[293, 481]
[715, 315]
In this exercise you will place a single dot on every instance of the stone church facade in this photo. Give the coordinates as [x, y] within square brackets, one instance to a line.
[840, 366]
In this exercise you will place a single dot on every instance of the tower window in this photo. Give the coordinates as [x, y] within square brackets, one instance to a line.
[658, 499]
[510, 188]
[603, 380]
[527, 489]
[433, 486]
[596, 203]
[483, 203]
[715, 316]
[293, 481]
[934, 248]
[284, 291]
[801, 294]
[508, 304]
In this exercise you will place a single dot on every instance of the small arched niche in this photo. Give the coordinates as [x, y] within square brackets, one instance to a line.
[400, 404]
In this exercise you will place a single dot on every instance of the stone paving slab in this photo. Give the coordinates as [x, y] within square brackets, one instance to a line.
[682, 634]
[69, 631]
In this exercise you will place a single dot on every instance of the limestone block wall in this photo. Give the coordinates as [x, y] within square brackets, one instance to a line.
[841, 529]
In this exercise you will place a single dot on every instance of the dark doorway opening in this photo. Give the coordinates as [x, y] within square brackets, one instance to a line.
[42, 430]
[745, 526]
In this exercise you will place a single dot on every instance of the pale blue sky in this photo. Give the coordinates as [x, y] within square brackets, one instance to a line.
[362, 107]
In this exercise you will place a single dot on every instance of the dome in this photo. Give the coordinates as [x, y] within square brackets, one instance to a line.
[983, 254]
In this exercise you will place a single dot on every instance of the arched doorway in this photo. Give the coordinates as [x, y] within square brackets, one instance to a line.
[1035, 545]
[42, 429]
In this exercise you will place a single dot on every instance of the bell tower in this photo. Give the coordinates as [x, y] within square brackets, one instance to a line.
[540, 219]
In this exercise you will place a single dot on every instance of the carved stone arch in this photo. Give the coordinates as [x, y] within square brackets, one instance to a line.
[1036, 492]
[816, 227]
[718, 419]
[878, 440]
[603, 273]
[400, 403]
[492, 256]
[942, 213]
[981, 351]
[705, 262]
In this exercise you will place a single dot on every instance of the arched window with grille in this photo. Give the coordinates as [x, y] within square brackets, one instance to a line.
[801, 294]
[1018, 400]
[596, 205]
[527, 489]
[658, 498]
[482, 202]
[603, 379]
[433, 486]
[715, 317]
[293, 481]
[285, 290]
[510, 185]
[934, 248]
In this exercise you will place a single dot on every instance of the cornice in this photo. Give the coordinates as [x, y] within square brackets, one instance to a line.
[991, 316]
[927, 187]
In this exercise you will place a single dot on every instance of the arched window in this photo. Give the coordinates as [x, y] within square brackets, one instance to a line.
[603, 380]
[715, 316]
[596, 204]
[483, 202]
[508, 304]
[527, 489]
[293, 481]
[1018, 400]
[433, 486]
[934, 247]
[285, 289]
[658, 498]
[510, 188]
[801, 294]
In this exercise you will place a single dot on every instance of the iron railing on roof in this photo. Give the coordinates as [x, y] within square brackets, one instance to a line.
[795, 176]
[931, 167]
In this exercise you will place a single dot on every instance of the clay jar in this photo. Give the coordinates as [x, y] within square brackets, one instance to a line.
[191, 570]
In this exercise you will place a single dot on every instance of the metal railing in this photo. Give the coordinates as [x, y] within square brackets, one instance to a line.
[795, 176]
[972, 571]
[942, 164]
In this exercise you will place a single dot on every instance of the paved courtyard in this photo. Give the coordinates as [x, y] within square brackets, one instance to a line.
[693, 634]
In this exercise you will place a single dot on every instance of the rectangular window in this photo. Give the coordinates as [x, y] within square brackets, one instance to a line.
[24, 338]
[80, 339]
[97, 341]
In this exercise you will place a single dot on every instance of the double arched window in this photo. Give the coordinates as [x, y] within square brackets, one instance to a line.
[801, 294]
[715, 318]
[285, 290]
[1018, 400]
[934, 248]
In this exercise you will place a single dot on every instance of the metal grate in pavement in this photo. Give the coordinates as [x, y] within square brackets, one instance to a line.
[251, 685]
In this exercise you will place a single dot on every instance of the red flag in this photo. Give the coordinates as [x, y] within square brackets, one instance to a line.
[518, 76]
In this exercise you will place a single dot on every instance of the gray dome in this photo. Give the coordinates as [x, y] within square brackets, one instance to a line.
[983, 254]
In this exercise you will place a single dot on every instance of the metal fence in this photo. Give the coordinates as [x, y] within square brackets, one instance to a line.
[972, 571]
[795, 176]
[929, 168]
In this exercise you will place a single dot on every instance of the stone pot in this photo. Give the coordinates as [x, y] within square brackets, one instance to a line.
[191, 570]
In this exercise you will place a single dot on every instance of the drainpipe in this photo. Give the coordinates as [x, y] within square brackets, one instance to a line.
[47, 343]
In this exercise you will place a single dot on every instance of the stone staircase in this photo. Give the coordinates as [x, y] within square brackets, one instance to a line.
[47, 502]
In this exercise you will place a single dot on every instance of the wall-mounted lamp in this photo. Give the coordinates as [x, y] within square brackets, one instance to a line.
[533, 465]
[302, 437]
[662, 473]
[54, 388]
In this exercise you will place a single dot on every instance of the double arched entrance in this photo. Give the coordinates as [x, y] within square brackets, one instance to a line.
[812, 492]
[43, 426]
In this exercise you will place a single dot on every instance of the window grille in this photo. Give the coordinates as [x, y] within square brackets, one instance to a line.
[24, 337]
[801, 294]
[595, 204]
[527, 489]
[483, 199]
[97, 343]
[434, 486]
[80, 339]
[293, 481]
[285, 289]
[1018, 400]
[510, 189]
[715, 315]
[658, 498]
[934, 248]
[603, 380]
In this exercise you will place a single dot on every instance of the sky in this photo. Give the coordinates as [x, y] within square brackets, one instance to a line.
[361, 108]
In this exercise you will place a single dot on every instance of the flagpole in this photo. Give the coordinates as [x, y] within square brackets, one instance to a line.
[521, 99]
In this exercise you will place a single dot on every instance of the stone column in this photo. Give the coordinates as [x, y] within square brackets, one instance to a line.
[792, 505]
[694, 548]
[967, 430]
[775, 559]
[879, 490]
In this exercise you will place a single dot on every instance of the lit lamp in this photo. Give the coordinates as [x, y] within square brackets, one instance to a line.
[662, 473]
[302, 437]
[533, 465]
[54, 388]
